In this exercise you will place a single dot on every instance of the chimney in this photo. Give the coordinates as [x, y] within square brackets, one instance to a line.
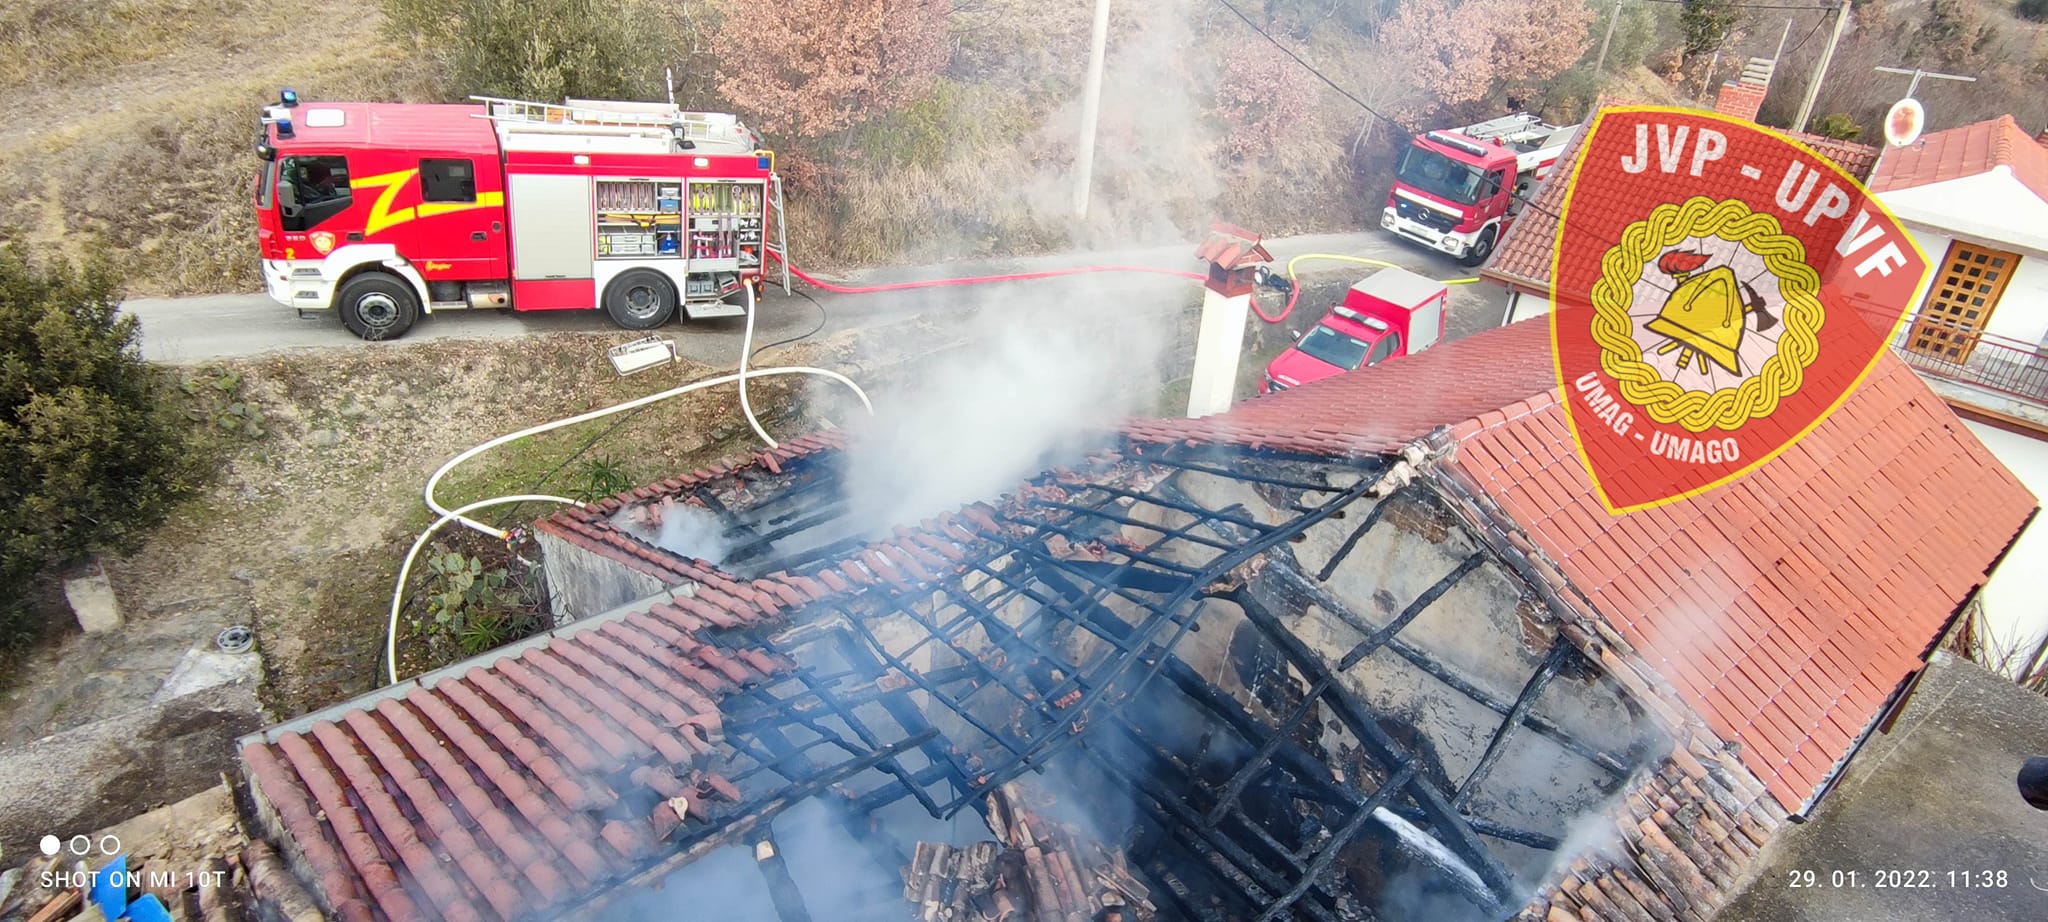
[1741, 100]
[1232, 253]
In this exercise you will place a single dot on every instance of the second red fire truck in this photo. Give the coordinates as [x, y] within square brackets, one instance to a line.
[383, 212]
[1456, 191]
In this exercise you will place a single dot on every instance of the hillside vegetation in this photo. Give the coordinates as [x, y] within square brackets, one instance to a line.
[911, 130]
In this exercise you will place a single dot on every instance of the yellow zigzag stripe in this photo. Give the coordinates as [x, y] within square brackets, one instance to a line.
[1621, 357]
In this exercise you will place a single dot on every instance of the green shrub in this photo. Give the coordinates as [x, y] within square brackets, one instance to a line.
[543, 50]
[479, 607]
[214, 400]
[2034, 10]
[599, 478]
[92, 454]
[1837, 125]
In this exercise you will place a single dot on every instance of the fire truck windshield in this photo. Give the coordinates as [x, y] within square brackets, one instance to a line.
[1439, 175]
[1333, 347]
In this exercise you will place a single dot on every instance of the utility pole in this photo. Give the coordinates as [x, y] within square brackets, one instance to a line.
[1820, 71]
[1091, 109]
[1600, 65]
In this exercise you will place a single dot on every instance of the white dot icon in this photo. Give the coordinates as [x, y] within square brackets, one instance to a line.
[51, 845]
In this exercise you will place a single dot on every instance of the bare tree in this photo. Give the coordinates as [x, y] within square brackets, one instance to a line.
[807, 68]
[1464, 51]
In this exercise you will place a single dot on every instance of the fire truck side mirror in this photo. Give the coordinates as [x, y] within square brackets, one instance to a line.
[287, 196]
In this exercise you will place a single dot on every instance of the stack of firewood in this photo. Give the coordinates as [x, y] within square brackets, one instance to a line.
[1037, 870]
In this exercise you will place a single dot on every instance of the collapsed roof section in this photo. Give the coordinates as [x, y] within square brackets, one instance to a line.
[1784, 608]
[1355, 650]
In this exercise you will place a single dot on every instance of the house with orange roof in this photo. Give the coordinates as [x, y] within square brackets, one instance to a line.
[1975, 198]
[1368, 648]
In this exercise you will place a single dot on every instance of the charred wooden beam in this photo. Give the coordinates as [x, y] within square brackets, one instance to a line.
[1257, 883]
[1363, 723]
[1052, 741]
[1311, 700]
[1327, 852]
[1329, 602]
[1357, 534]
[782, 891]
[1561, 652]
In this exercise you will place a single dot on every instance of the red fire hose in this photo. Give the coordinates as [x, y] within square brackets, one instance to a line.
[980, 279]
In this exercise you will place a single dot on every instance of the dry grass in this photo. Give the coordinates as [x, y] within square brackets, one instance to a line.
[137, 136]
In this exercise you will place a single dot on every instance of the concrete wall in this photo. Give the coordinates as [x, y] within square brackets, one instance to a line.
[581, 584]
[93, 776]
[2013, 596]
[1522, 306]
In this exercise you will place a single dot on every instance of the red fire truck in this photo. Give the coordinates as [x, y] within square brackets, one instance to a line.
[1389, 314]
[382, 212]
[1456, 191]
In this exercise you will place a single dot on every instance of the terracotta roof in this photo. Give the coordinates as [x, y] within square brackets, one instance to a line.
[1966, 151]
[506, 790]
[1231, 247]
[1682, 845]
[1377, 410]
[1784, 607]
[509, 787]
[591, 526]
[1523, 258]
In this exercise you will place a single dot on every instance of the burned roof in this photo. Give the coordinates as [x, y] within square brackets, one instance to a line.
[1356, 648]
[1785, 607]
[1071, 633]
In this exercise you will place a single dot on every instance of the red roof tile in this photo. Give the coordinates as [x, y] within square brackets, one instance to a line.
[1377, 410]
[1786, 580]
[1965, 151]
[368, 792]
[1836, 507]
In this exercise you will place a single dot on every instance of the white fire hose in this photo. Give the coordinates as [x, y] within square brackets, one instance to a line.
[446, 515]
[742, 376]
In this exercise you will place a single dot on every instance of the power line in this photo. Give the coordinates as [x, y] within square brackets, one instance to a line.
[1382, 116]
[1809, 34]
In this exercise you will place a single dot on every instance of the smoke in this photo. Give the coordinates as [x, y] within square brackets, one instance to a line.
[1040, 379]
[687, 531]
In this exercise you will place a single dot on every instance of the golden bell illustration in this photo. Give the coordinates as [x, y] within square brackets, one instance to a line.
[1705, 316]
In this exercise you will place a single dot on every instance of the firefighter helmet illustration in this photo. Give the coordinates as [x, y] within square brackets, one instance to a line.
[1718, 290]
[1693, 296]
[1703, 318]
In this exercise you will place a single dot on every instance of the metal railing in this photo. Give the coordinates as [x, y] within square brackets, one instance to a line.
[1943, 349]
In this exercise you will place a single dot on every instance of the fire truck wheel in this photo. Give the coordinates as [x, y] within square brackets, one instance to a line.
[1481, 248]
[376, 305]
[640, 299]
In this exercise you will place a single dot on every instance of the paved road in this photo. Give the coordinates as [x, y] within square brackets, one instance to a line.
[199, 329]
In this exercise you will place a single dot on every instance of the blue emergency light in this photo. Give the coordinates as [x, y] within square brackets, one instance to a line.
[284, 128]
[289, 97]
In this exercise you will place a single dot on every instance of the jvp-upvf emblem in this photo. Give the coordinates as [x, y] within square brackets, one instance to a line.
[1719, 289]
